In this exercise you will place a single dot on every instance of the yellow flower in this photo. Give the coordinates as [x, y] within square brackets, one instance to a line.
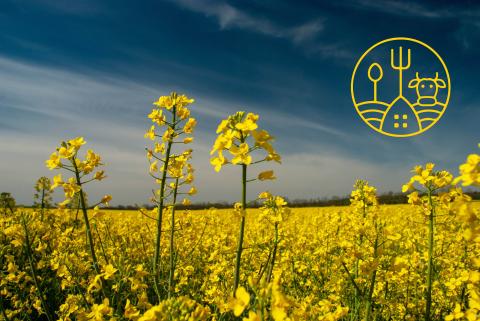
[150, 134]
[261, 137]
[190, 125]
[64, 203]
[266, 175]
[223, 141]
[67, 153]
[470, 171]
[274, 156]
[241, 154]
[131, 311]
[247, 125]
[53, 162]
[99, 175]
[99, 310]
[222, 126]
[218, 162]
[407, 187]
[192, 191]
[182, 100]
[70, 188]
[252, 316]
[76, 143]
[57, 181]
[413, 198]
[186, 202]
[264, 195]
[240, 301]
[164, 102]
[154, 167]
[109, 271]
[188, 140]
[159, 148]
[157, 117]
[168, 134]
[106, 199]
[457, 313]
[182, 112]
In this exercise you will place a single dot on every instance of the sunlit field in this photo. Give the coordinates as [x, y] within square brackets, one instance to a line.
[76, 261]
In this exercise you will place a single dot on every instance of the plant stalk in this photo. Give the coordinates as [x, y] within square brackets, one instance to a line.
[85, 217]
[171, 280]
[431, 218]
[156, 255]
[242, 229]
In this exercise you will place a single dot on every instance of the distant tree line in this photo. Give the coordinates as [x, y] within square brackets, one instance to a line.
[7, 200]
[387, 198]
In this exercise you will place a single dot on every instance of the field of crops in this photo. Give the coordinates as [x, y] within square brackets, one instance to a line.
[366, 261]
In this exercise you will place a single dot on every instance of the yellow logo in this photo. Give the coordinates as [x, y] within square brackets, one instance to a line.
[400, 87]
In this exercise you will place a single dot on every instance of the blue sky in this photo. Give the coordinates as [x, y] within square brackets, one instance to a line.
[92, 68]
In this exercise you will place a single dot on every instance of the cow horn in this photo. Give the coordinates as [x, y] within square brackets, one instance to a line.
[436, 75]
[416, 75]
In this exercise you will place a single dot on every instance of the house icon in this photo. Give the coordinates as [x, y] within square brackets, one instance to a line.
[400, 118]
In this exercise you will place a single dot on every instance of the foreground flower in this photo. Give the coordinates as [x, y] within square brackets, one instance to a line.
[67, 158]
[172, 117]
[239, 136]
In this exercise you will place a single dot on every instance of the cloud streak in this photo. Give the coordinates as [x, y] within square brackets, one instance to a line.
[42, 105]
[229, 17]
[416, 9]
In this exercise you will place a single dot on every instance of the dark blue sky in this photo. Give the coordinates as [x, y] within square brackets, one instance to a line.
[92, 68]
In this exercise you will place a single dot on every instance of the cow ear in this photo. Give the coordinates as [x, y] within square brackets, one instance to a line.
[413, 83]
[441, 83]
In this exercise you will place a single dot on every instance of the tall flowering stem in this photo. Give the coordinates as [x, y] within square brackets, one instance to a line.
[42, 194]
[172, 117]
[183, 174]
[240, 137]
[67, 158]
[364, 200]
[274, 211]
[425, 184]
[470, 219]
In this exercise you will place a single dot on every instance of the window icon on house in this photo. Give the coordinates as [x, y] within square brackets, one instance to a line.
[397, 123]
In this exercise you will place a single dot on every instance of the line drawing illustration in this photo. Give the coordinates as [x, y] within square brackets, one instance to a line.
[418, 106]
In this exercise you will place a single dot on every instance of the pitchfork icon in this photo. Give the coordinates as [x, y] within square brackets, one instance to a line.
[400, 67]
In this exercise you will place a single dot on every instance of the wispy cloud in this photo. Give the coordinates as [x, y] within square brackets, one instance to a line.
[230, 17]
[84, 7]
[306, 35]
[42, 105]
[417, 9]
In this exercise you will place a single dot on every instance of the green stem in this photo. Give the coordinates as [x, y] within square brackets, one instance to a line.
[156, 255]
[171, 285]
[431, 216]
[372, 283]
[42, 208]
[242, 228]
[2, 308]
[101, 244]
[357, 263]
[85, 217]
[275, 244]
[34, 271]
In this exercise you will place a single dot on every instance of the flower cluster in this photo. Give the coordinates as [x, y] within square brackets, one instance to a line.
[363, 196]
[274, 209]
[67, 158]
[240, 136]
[470, 171]
[172, 116]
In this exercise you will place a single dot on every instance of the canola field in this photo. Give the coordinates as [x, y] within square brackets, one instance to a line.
[76, 261]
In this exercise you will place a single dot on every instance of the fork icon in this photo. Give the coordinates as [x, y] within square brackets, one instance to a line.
[400, 66]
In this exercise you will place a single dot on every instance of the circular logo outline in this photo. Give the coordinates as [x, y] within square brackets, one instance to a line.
[352, 82]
